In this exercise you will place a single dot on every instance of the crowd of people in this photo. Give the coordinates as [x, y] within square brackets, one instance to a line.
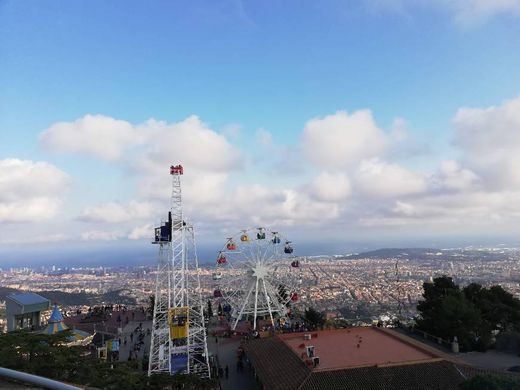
[136, 341]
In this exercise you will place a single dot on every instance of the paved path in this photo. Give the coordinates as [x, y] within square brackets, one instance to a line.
[491, 359]
[124, 351]
[226, 349]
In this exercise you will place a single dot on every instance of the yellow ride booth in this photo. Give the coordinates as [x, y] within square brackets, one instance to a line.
[178, 320]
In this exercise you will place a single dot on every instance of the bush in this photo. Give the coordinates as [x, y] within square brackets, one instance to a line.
[490, 382]
[509, 342]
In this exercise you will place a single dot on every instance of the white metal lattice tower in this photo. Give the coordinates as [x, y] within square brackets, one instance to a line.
[178, 342]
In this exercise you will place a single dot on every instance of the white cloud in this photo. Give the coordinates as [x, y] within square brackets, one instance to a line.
[466, 13]
[358, 179]
[190, 142]
[264, 138]
[331, 187]
[471, 12]
[99, 235]
[144, 231]
[232, 130]
[207, 155]
[259, 205]
[96, 135]
[30, 191]
[490, 142]
[117, 212]
[451, 176]
[477, 206]
[342, 140]
[375, 178]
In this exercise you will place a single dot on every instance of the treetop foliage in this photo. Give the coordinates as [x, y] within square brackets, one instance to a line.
[47, 356]
[473, 314]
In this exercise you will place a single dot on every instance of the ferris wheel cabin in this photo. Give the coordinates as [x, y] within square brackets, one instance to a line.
[231, 246]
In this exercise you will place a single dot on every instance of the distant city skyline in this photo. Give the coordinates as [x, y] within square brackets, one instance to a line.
[346, 127]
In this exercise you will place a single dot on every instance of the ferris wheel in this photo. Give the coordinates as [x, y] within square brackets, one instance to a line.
[257, 276]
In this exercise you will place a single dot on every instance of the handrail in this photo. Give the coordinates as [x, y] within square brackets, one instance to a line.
[35, 380]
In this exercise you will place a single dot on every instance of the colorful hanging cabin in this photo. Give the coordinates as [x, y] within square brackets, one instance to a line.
[261, 234]
[217, 294]
[221, 259]
[276, 239]
[244, 238]
[294, 297]
[231, 246]
[217, 275]
[288, 248]
[178, 320]
[295, 264]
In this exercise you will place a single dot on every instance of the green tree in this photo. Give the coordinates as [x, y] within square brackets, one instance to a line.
[151, 304]
[209, 312]
[490, 382]
[47, 356]
[472, 314]
[314, 318]
[445, 312]
[500, 309]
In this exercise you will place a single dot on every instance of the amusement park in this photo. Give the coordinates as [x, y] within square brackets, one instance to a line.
[255, 283]
[264, 195]
[245, 321]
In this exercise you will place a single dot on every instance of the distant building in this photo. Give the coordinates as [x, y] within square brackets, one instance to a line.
[23, 311]
[355, 358]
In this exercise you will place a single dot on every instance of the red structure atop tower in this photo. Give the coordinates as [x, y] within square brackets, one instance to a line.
[176, 170]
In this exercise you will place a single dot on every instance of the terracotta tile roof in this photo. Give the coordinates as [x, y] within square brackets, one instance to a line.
[433, 375]
[276, 364]
[393, 362]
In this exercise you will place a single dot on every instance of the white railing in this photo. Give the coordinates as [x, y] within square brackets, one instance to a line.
[35, 380]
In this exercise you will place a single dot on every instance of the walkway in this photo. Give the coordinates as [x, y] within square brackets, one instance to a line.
[226, 350]
[131, 342]
[491, 360]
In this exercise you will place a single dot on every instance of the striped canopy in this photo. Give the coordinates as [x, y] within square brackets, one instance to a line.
[56, 323]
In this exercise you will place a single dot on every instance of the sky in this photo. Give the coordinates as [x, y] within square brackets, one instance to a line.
[346, 125]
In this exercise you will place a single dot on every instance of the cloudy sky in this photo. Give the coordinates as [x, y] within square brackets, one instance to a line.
[344, 124]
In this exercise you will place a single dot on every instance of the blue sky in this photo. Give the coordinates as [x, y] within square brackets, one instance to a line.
[255, 75]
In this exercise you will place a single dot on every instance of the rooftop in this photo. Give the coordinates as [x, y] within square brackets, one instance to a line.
[27, 298]
[356, 347]
[384, 360]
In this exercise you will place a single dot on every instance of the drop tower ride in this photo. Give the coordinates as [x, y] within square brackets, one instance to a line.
[178, 342]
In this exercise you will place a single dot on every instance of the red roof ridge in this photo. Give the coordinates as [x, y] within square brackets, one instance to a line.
[389, 364]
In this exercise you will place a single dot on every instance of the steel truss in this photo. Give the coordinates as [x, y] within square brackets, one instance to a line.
[178, 288]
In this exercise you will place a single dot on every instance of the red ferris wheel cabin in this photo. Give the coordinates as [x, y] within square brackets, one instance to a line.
[176, 170]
